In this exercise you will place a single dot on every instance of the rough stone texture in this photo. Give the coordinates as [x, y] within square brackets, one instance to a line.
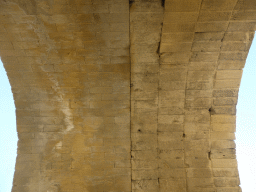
[118, 95]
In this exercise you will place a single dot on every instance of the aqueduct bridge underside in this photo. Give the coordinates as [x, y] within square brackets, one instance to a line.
[121, 96]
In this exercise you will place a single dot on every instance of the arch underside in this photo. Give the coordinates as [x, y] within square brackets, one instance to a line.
[126, 96]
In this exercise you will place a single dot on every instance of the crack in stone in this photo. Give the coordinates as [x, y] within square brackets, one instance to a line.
[163, 3]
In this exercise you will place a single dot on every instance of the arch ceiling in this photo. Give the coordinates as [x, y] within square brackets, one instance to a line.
[121, 95]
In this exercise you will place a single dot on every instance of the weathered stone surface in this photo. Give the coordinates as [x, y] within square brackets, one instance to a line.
[121, 95]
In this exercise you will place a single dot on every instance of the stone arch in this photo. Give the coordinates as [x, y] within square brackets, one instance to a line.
[126, 96]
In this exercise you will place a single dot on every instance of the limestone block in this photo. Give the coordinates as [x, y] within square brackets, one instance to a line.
[144, 155]
[149, 45]
[123, 164]
[221, 135]
[196, 127]
[148, 117]
[223, 153]
[144, 58]
[238, 36]
[204, 57]
[219, 5]
[206, 46]
[229, 127]
[150, 68]
[208, 36]
[198, 103]
[175, 47]
[175, 57]
[202, 143]
[173, 184]
[229, 189]
[199, 116]
[213, 16]
[21, 68]
[146, 104]
[172, 85]
[229, 74]
[144, 127]
[172, 163]
[149, 77]
[2, 29]
[145, 185]
[200, 183]
[143, 141]
[115, 142]
[170, 127]
[224, 163]
[248, 15]
[171, 94]
[172, 173]
[223, 144]
[26, 135]
[168, 136]
[177, 37]
[170, 119]
[171, 111]
[222, 84]
[146, 174]
[224, 110]
[225, 93]
[225, 172]
[94, 113]
[146, 16]
[28, 157]
[226, 182]
[114, 17]
[199, 173]
[182, 6]
[5, 45]
[145, 6]
[6, 19]
[25, 188]
[201, 66]
[118, 8]
[233, 55]
[139, 164]
[171, 144]
[170, 154]
[250, 5]
[225, 119]
[199, 85]
[234, 46]
[191, 135]
[180, 17]
[195, 162]
[241, 26]
[225, 101]
[197, 153]
[179, 27]
[24, 113]
[198, 93]
[211, 26]
[200, 75]
[172, 103]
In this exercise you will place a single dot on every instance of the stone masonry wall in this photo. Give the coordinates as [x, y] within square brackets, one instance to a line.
[126, 95]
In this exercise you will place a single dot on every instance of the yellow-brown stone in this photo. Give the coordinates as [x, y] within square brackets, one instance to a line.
[118, 95]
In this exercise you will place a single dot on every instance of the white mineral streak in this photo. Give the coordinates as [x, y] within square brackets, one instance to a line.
[58, 145]
[63, 106]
